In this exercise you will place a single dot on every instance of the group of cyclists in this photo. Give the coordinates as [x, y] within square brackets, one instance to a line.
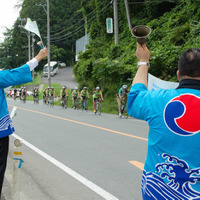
[22, 93]
[49, 94]
[83, 96]
[36, 94]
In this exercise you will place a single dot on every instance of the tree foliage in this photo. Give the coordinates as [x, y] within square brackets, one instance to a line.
[63, 16]
[175, 27]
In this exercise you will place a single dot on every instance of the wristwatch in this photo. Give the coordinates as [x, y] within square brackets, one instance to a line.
[142, 63]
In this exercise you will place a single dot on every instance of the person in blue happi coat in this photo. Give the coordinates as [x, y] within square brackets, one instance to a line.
[172, 167]
[8, 78]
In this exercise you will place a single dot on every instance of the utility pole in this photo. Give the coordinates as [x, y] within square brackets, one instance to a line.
[33, 54]
[29, 45]
[128, 14]
[48, 43]
[85, 25]
[116, 26]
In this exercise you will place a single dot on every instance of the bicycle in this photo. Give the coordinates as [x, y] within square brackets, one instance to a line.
[15, 96]
[64, 102]
[76, 104]
[36, 99]
[24, 98]
[124, 109]
[98, 107]
[84, 105]
[51, 101]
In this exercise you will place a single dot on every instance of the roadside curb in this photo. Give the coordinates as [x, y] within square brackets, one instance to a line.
[6, 190]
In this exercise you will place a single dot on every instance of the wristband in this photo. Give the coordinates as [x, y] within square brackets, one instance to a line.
[142, 63]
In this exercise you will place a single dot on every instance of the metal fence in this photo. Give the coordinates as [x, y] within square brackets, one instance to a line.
[81, 43]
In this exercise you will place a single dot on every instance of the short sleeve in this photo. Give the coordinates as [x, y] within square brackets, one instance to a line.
[139, 102]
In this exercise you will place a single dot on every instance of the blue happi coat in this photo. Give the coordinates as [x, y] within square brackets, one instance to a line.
[172, 167]
[8, 78]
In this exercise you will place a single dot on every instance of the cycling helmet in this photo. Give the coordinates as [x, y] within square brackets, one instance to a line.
[85, 88]
[124, 86]
[76, 88]
[97, 88]
[64, 87]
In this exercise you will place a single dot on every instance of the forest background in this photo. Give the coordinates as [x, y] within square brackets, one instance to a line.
[175, 27]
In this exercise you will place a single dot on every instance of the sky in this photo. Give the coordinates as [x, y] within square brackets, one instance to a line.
[8, 15]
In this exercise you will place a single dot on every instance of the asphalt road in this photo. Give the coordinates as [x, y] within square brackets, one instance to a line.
[64, 76]
[99, 148]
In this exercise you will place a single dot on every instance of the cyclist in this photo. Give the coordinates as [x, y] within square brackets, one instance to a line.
[63, 94]
[123, 92]
[84, 94]
[37, 93]
[45, 95]
[34, 94]
[24, 94]
[20, 93]
[97, 96]
[15, 93]
[51, 94]
[75, 95]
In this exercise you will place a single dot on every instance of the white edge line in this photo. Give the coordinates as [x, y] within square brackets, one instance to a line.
[69, 171]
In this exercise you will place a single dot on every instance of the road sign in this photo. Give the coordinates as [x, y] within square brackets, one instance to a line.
[109, 25]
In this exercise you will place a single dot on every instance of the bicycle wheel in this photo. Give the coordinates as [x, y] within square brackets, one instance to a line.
[125, 113]
[86, 106]
[82, 106]
[96, 108]
[99, 108]
[77, 105]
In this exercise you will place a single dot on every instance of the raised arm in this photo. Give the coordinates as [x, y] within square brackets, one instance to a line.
[22, 74]
[143, 56]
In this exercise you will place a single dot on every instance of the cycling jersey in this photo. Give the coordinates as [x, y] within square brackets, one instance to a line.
[97, 95]
[37, 92]
[122, 92]
[63, 93]
[75, 94]
[51, 93]
[172, 167]
[83, 93]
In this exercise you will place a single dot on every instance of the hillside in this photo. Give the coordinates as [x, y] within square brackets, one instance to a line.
[175, 28]
[174, 23]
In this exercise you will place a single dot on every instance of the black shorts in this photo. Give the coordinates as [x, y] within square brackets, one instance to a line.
[96, 99]
[84, 98]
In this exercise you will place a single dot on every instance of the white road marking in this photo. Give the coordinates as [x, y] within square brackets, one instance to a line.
[69, 171]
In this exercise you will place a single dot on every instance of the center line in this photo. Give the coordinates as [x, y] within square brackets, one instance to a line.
[82, 123]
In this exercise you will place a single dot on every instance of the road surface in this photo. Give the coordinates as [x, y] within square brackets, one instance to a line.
[64, 76]
[76, 155]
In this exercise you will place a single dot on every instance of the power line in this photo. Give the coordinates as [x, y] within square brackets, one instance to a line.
[63, 37]
[150, 2]
[81, 19]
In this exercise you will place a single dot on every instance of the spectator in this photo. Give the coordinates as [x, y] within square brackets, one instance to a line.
[7, 78]
[172, 167]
